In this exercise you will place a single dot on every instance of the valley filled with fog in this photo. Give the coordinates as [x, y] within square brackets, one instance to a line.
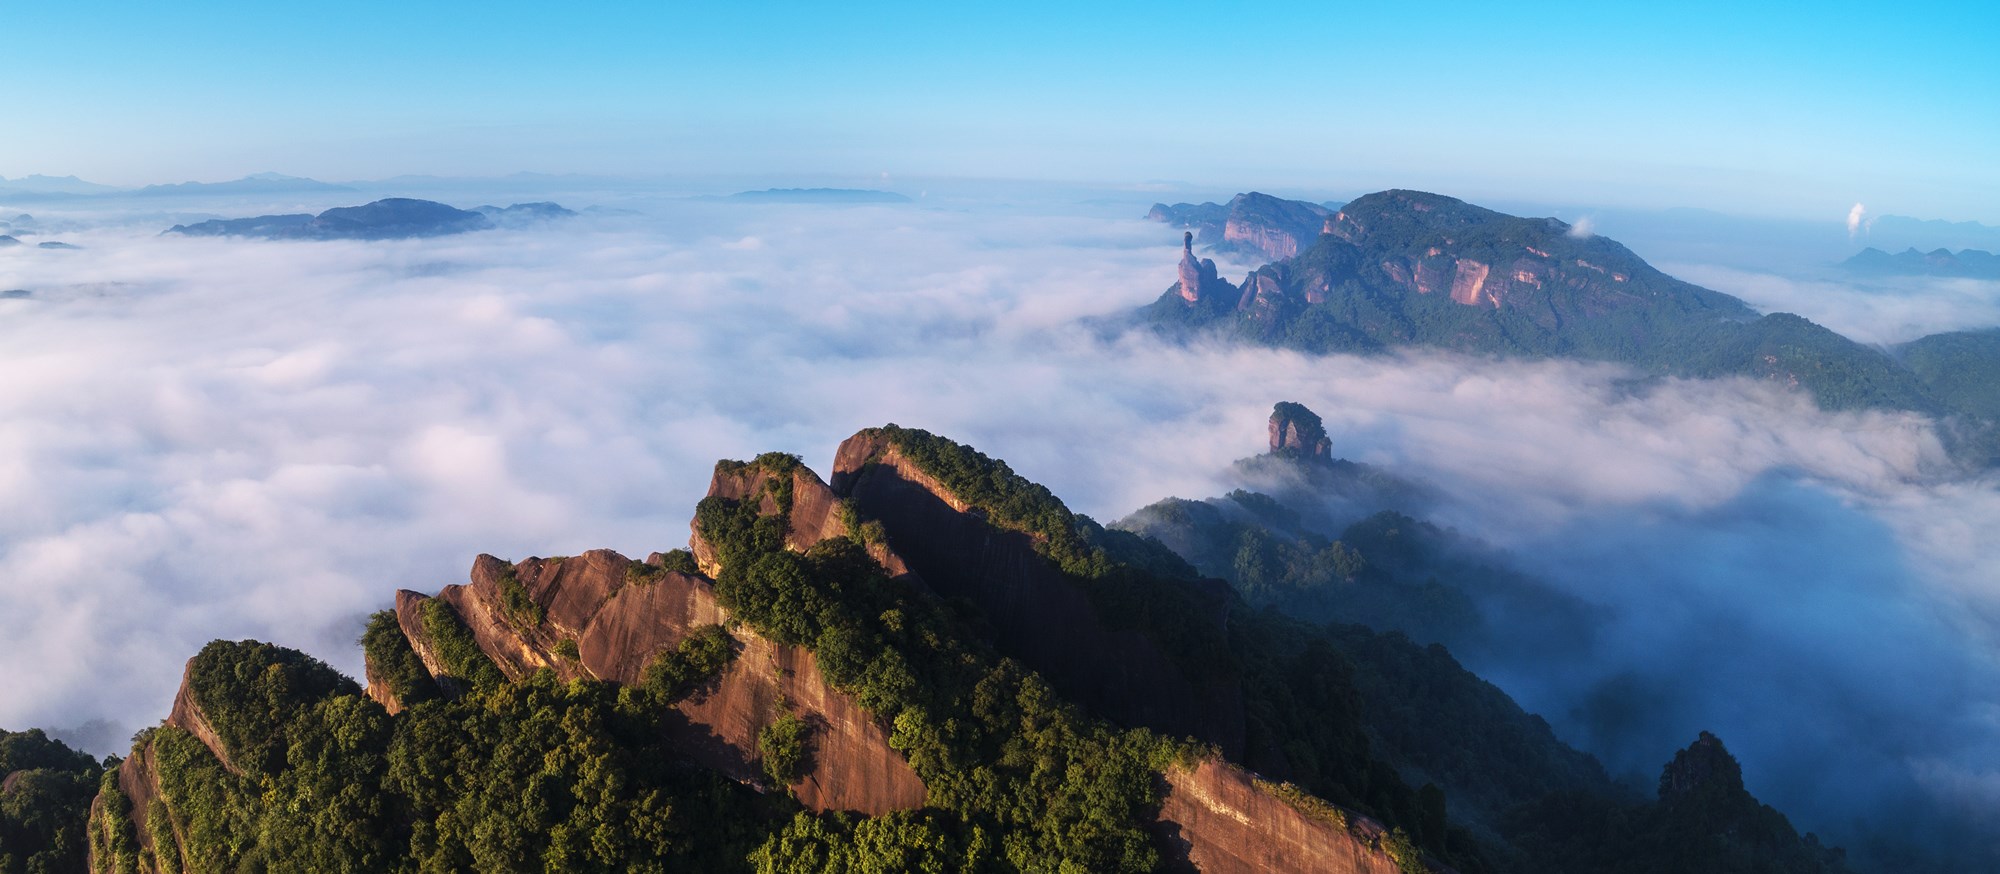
[227, 438]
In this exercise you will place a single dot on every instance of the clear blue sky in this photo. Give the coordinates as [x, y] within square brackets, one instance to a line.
[1797, 109]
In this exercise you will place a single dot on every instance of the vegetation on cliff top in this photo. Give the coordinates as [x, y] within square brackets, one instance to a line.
[545, 775]
[1019, 780]
[529, 776]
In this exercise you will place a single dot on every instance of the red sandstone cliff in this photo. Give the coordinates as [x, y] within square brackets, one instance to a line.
[1219, 819]
[1214, 817]
[620, 619]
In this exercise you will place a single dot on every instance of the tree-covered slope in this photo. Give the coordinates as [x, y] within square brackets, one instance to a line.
[1409, 268]
[591, 713]
[45, 792]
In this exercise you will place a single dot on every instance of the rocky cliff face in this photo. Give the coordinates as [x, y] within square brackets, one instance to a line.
[1220, 819]
[1272, 227]
[1252, 224]
[618, 614]
[1190, 270]
[603, 616]
[1297, 431]
[1037, 614]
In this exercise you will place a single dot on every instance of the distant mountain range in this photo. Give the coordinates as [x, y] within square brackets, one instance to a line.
[1901, 231]
[261, 183]
[1410, 268]
[395, 218]
[47, 188]
[1975, 263]
[53, 185]
[818, 195]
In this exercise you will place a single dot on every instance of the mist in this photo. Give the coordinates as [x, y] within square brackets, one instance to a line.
[212, 438]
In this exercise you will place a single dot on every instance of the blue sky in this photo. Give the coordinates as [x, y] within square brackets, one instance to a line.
[1773, 109]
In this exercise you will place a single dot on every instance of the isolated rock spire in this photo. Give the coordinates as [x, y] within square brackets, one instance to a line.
[1297, 431]
[1190, 270]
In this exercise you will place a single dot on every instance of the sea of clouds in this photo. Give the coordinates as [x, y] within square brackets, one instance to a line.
[215, 438]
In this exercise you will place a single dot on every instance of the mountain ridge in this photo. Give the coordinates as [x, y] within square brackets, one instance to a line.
[1408, 268]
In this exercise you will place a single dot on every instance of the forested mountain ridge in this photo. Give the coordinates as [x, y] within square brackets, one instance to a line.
[1408, 268]
[930, 664]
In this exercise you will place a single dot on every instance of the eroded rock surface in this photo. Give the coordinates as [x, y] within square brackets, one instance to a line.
[620, 616]
[1216, 819]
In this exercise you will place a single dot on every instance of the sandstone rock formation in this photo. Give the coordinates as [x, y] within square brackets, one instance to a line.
[1252, 224]
[1272, 227]
[600, 615]
[1219, 819]
[1190, 270]
[1297, 431]
[620, 614]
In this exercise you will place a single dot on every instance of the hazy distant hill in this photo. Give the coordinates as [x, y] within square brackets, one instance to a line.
[1900, 232]
[818, 195]
[1974, 263]
[261, 183]
[39, 184]
[392, 218]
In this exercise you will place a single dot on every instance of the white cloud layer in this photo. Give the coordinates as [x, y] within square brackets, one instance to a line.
[1883, 311]
[223, 438]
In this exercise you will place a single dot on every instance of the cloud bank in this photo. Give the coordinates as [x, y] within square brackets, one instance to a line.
[223, 438]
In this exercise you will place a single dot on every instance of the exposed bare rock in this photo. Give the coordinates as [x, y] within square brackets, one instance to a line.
[378, 690]
[1190, 270]
[1251, 223]
[188, 716]
[620, 619]
[139, 780]
[1298, 431]
[1217, 819]
[1272, 227]
[409, 617]
[1037, 614]
[1468, 280]
[816, 513]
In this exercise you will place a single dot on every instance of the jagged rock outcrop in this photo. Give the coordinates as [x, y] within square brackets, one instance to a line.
[619, 614]
[1273, 227]
[815, 509]
[1198, 280]
[1297, 431]
[1190, 270]
[1251, 223]
[1217, 818]
[1037, 614]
